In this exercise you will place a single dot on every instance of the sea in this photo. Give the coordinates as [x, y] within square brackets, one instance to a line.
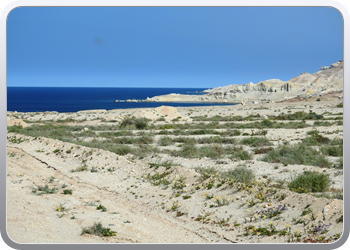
[73, 99]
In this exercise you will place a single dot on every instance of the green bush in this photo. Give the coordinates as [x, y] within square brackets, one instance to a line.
[121, 149]
[214, 151]
[339, 105]
[315, 139]
[263, 150]
[299, 115]
[256, 142]
[339, 163]
[240, 174]
[332, 150]
[165, 141]
[133, 122]
[188, 151]
[310, 182]
[296, 154]
[144, 150]
[15, 129]
[242, 155]
[206, 172]
[99, 230]
[267, 123]
[68, 191]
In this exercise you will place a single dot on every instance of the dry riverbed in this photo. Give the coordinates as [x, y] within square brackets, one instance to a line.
[267, 173]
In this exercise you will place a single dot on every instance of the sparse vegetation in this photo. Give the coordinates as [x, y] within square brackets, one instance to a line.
[296, 154]
[99, 230]
[226, 153]
[310, 182]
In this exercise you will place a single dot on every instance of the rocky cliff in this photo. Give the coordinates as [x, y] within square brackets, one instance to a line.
[328, 80]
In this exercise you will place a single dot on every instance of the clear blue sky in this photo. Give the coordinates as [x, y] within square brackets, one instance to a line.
[168, 47]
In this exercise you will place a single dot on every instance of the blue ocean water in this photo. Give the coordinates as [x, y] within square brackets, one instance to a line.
[40, 99]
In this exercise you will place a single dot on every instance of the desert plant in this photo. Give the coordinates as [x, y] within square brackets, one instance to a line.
[263, 150]
[240, 174]
[99, 230]
[242, 155]
[68, 191]
[332, 150]
[256, 142]
[101, 207]
[43, 190]
[310, 181]
[167, 164]
[165, 141]
[133, 122]
[296, 154]
[206, 172]
[339, 105]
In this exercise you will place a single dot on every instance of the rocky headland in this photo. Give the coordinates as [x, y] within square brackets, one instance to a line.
[327, 83]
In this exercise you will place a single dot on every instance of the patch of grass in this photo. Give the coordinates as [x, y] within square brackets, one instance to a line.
[339, 163]
[165, 141]
[106, 145]
[256, 142]
[310, 182]
[159, 178]
[188, 151]
[14, 129]
[40, 190]
[314, 139]
[322, 123]
[144, 150]
[212, 151]
[263, 150]
[216, 139]
[144, 139]
[206, 172]
[296, 154]
[101, 207]
[240, 174]
[80, 169]
[110, 134]
[68, 191]
[299, 115]
[167, 164]
[232, 132]
[99, 230]
[332, 150]
[179, 183]
[134, 123]
[14, 138]
[339, 105]
[242, 155]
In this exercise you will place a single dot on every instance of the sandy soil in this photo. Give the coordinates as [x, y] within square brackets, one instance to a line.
[140, 212]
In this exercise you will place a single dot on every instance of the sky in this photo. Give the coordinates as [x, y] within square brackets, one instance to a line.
[194, 47]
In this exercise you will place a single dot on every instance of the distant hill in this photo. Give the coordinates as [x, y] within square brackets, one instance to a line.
[327, 82]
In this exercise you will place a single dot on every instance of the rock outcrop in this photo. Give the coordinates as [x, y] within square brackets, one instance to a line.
[328, 80]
